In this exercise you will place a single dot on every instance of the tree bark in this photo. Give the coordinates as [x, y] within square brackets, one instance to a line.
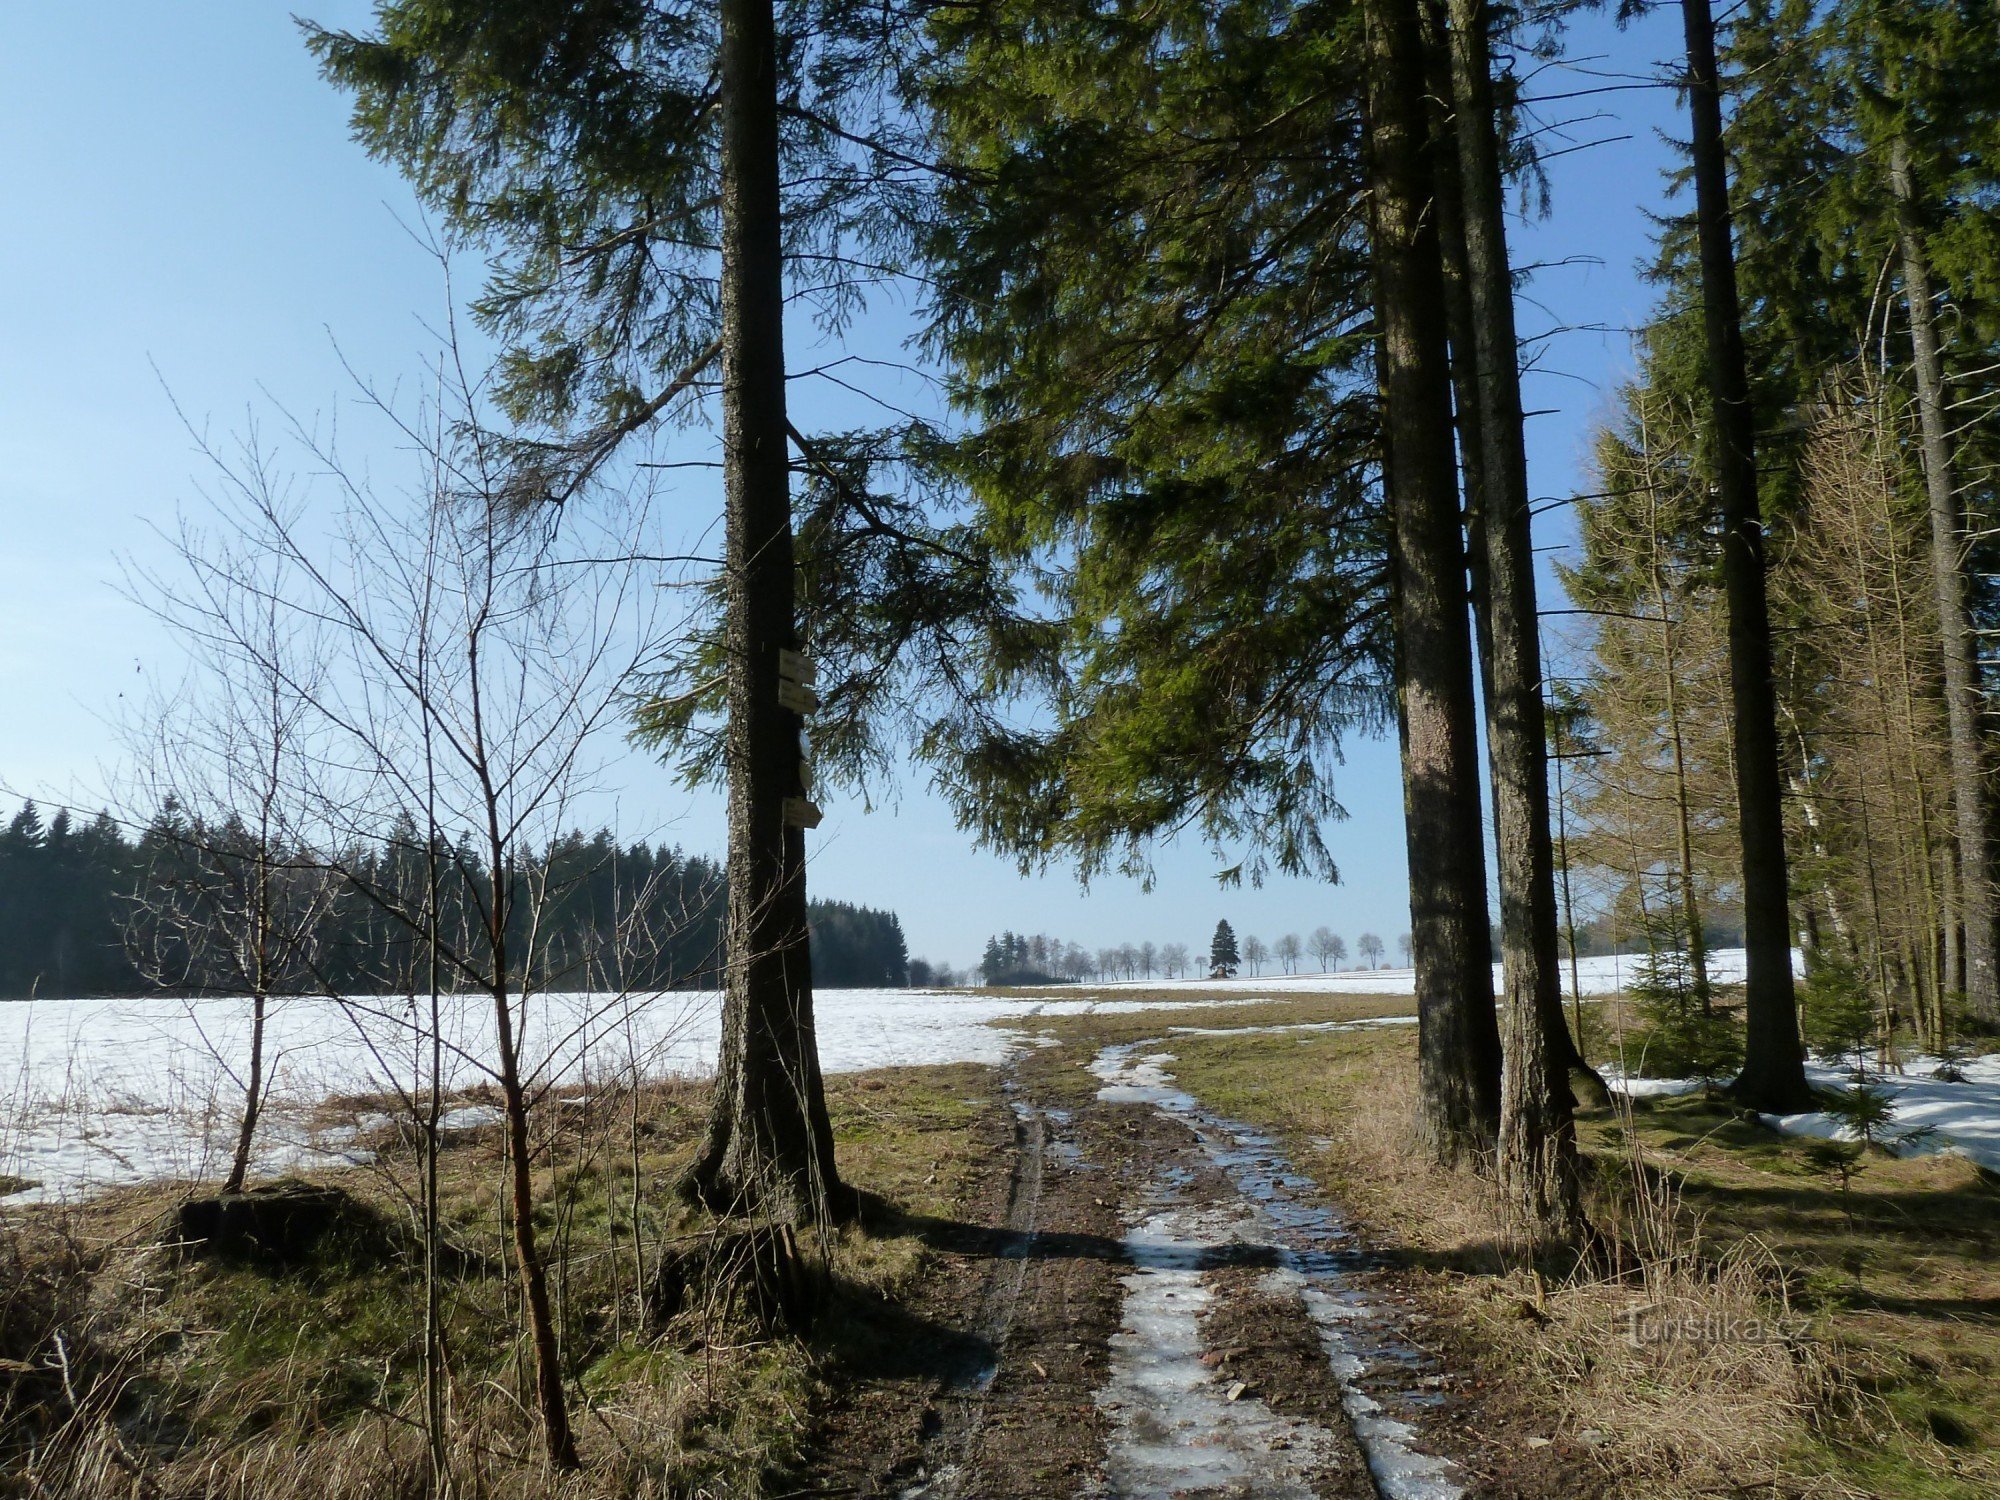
[1458, 1033]
[557, 1438]
[1963, 705]
[1537, 1158]
[253, 1098]
[769, 1146]
[1773, 1076]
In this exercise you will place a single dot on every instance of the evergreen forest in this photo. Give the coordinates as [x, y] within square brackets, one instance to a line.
[81, 907]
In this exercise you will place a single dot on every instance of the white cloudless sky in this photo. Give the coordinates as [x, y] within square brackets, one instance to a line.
[184, 221]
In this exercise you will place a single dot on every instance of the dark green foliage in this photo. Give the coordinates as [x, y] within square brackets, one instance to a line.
[1843, 1023]
[1865, 1107]
[577, 144]
[890, 589]
[75, 904]
[1814, 93]
[855, 947]
[1222, 955]
[1012, 958]
[59, 909]
[1685, 1035]
[1152, 288]
[1840, 1019]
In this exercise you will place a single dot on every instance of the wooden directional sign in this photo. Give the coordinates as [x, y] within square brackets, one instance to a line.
[800, 813]
[796, 666]
[796, 696]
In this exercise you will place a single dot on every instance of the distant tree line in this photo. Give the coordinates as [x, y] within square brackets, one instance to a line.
[1018, 958]
[84, 910]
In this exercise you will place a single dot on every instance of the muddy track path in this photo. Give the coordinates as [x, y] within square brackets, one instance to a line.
[1147, 1302]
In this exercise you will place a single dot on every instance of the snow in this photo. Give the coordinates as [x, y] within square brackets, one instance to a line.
[1604, 974]
[1962, 1118]
[1175, 1428]
[1652, 1088]
[1316, 1256]
[1281, 1028]
[95, 1093]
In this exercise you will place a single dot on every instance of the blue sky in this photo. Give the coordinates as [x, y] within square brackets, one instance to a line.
[185, 214]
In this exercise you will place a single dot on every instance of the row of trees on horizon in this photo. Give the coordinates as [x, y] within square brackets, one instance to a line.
[87, 910]
[1016, 959]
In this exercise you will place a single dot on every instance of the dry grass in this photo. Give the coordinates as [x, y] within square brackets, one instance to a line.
[1745, 1375]
[137, 1371]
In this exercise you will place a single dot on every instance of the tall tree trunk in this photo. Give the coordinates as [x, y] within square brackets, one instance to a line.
[1963, 705]
[1951, 930]
[1537, 1161]
[769, 1146]
[1559, 760]
[1458, 1033]
[1773, 1076]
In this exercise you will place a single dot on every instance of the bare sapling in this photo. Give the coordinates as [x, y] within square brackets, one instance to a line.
[229, 902]
[472, 657]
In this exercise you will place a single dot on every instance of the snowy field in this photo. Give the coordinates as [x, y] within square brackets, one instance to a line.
[100, 1092]
[95, 1093]
[1605, 974]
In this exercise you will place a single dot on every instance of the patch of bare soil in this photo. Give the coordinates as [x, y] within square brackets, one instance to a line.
[982, 1380]
[1497, 1433]
[1257, 1340]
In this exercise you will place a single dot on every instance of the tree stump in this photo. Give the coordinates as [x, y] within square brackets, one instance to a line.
[283, 1224]
[757, 1273]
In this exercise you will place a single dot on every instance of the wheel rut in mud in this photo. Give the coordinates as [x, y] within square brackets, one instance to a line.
[1147, 1303]
[1268, 1216]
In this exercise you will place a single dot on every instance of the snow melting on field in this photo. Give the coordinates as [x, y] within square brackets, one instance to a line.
[95, 1093]
[1605, 974]
[1941, 1116]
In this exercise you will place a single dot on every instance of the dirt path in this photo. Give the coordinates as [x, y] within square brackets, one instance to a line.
[1143, 1301]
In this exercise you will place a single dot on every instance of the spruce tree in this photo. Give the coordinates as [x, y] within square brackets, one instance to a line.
[1773, 1076]
[1458, 1033]
[1537, 1155]
[627, 166]
[1152, 294]
[1222, 955]
[1162, 313]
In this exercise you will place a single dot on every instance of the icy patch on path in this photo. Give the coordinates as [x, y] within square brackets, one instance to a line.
[1316, 1254]
[1175, 1429]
